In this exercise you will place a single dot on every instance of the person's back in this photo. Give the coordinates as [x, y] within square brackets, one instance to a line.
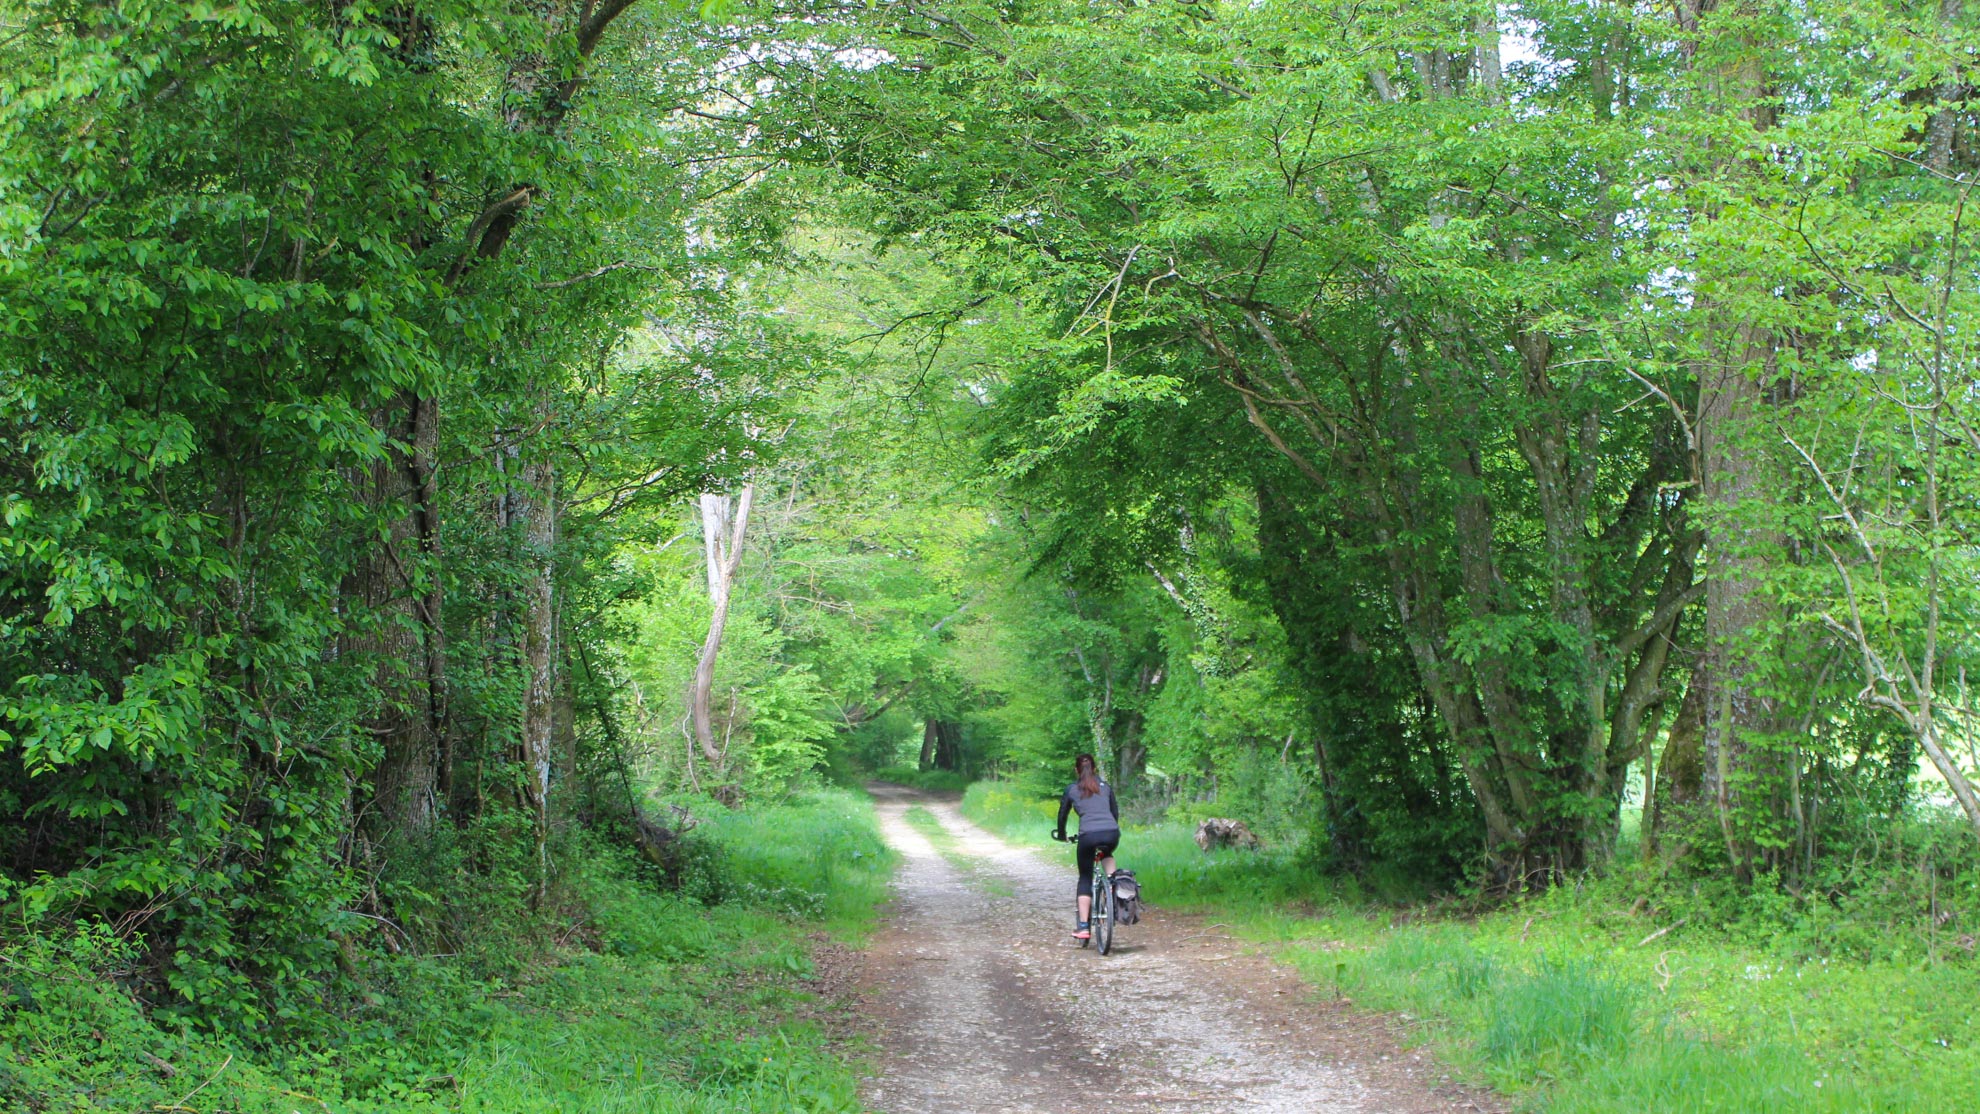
[1097, 812]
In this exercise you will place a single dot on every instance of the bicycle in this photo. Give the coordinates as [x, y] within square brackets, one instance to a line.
[1101, 917]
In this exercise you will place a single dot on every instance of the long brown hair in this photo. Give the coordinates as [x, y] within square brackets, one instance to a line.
[1088, 773]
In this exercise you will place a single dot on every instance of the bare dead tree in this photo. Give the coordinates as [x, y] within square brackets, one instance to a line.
[723, 521]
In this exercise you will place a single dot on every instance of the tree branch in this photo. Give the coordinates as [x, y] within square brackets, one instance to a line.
[1658, 620]
[594, 273]
[592, 29]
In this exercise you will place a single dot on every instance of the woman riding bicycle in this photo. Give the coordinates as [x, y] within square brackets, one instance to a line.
[1099, 831]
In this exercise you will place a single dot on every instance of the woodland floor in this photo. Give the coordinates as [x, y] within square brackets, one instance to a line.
[979, 1000]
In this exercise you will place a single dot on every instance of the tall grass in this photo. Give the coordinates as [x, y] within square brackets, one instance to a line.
[1690, 1076]
[692, 1018]
[1559, 1011]
[688, 1008]
[1175, 872]
[1009, 811]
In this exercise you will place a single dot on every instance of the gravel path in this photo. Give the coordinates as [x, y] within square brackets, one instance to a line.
[982, 1002]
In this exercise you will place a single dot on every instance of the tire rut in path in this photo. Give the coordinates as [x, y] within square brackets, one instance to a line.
[983, 1003]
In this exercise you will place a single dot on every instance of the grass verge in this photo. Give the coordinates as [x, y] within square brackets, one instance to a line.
[647, 1002]
[1582, 1002]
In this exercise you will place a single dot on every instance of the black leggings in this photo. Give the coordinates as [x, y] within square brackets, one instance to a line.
[1093, 845]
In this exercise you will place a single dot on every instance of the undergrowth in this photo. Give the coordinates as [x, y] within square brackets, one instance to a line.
[639, 1000]
[1644, 990]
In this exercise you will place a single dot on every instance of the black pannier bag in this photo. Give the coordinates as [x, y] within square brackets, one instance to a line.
[1127, 898]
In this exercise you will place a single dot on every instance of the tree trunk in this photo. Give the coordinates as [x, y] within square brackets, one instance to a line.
[1100, 695]
[941, 745]
[1681, 770]
[1740, 772]
[1133, 754]
[1742, 777]
[948, 746]
[538, 509]
[563, 731]
[1505, 718]
[722, 544]
[398, 590]
[1940, 129]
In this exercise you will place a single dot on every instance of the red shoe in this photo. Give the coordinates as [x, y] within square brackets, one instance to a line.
[1082, 934]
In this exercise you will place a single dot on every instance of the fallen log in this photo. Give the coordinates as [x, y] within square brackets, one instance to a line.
[1221, 832]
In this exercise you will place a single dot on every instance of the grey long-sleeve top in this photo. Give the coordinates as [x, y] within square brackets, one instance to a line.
[1097, 813]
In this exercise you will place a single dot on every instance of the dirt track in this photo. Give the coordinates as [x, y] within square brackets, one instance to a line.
[982, 1002]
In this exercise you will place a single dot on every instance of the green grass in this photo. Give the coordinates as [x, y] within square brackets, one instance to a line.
[692, 1008]
[708, 1030]
[1557, 1001]
[939, 781]
[1562, 1002]
[648, 1003]
[1011, 813]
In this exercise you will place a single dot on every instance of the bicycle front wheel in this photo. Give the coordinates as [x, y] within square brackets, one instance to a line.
[1103, 915]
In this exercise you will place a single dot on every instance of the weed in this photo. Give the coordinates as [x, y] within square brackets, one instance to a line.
[818, 856]
[1688, 1076]
[1469, 974]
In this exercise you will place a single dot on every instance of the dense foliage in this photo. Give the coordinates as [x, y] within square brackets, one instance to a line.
[317, 415]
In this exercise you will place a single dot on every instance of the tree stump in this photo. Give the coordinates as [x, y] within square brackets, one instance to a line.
[660, 841]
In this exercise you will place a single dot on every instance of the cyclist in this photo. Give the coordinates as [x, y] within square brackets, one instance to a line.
[1099, 832]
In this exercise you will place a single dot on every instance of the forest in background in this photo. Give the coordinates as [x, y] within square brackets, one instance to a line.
[447, 448]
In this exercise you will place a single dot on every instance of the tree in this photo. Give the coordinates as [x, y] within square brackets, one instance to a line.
[723, 521]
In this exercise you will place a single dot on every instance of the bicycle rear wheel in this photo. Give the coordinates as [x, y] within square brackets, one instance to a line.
[1103, 914]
